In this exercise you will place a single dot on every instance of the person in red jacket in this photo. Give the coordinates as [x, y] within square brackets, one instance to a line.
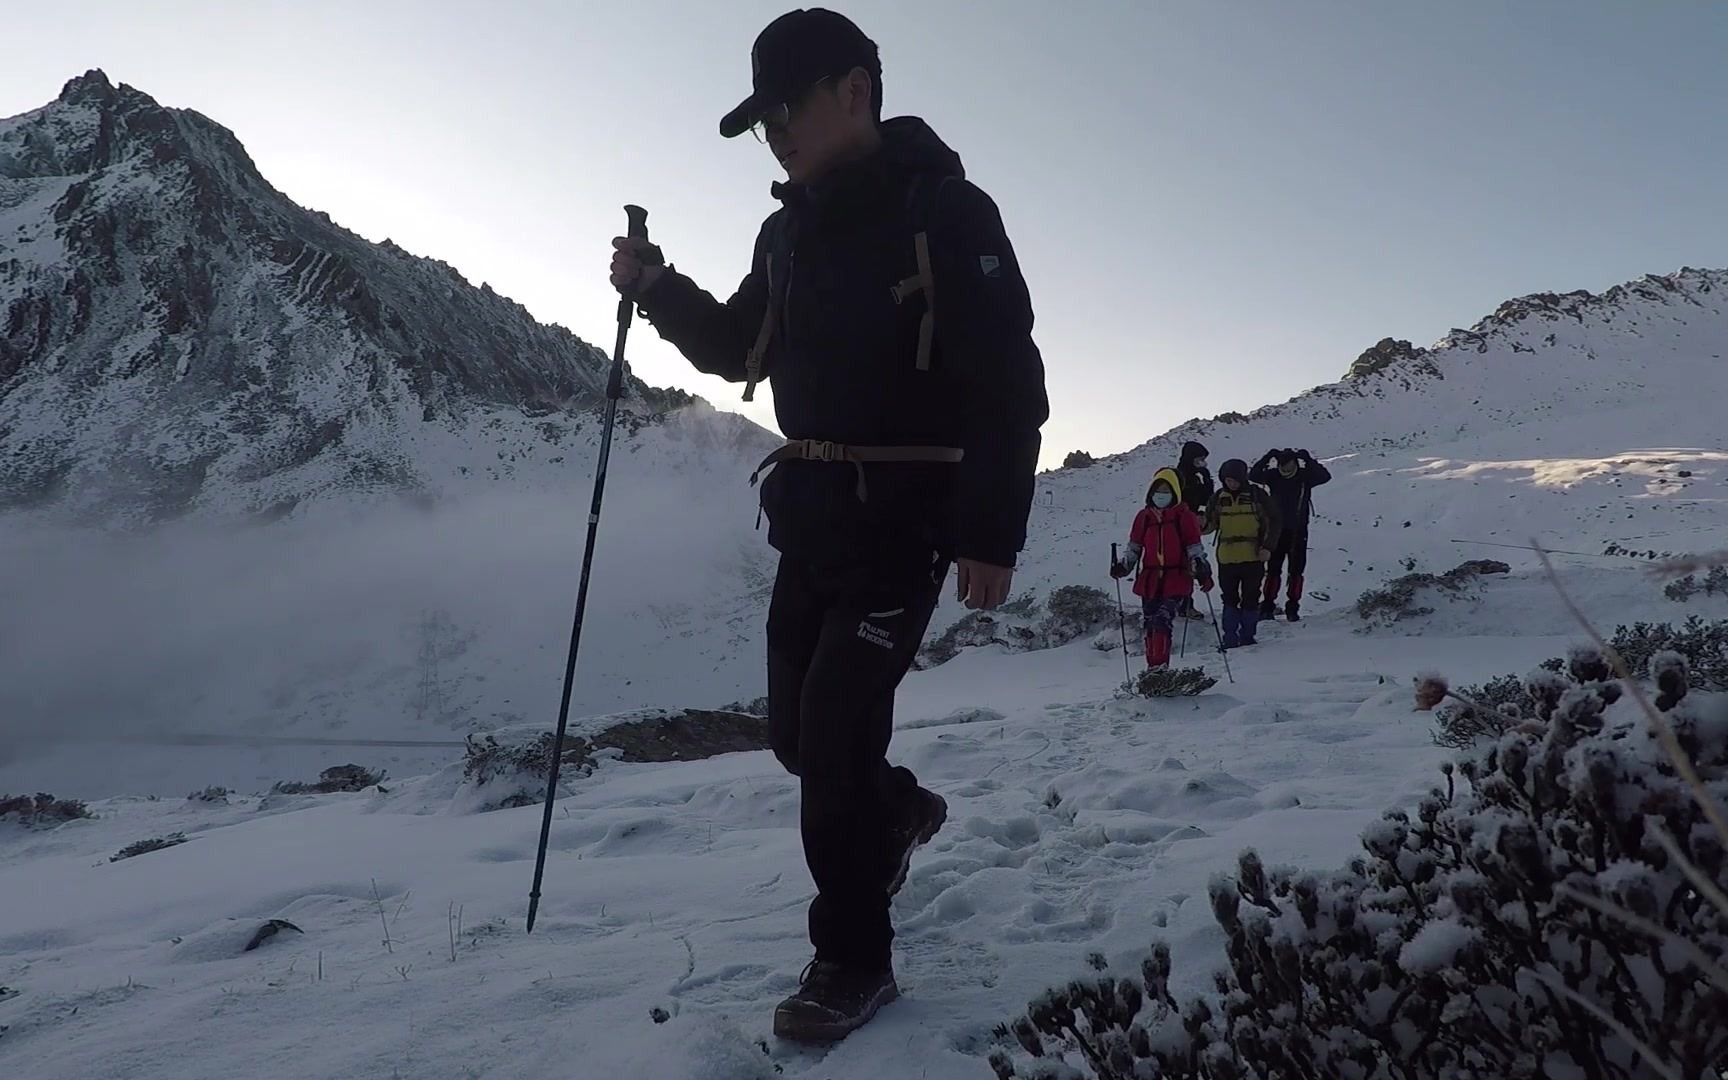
[1164, 543]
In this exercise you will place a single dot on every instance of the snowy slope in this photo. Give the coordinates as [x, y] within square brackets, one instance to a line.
[1079, 822]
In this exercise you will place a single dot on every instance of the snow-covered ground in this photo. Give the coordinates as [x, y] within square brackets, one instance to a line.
[1080, 822]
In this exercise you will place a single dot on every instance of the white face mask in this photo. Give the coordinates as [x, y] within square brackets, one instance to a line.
[1162, 499]
[1199, 463]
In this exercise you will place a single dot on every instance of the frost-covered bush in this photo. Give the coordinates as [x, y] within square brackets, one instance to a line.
[1173, 682]
[1534, 921]
[1398, 598]
[41, 811]
[1714, 583]
[1703, 644]
[1074, 611]
[1070, 613]
[517, 772]
[212, 794]
[334, 779]
[144, 847]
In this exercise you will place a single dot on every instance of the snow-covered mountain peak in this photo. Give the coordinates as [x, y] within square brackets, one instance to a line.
[178, 337]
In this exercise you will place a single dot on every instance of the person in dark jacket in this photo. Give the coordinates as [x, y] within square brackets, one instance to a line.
[1291, 477]
[913, 441]
[1197, 491]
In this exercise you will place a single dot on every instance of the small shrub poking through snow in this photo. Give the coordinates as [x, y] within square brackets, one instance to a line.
[1071, 612]
[42, 811]
[1530, 922]
[1714, 583]
[144, 847]
[1173, 682]
[212, 794]
[1079, 459]
[334, 779]
[1397, 599]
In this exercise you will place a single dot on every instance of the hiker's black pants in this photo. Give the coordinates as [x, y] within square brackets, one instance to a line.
[839, 642]
[1239, 584]
[1294, 547]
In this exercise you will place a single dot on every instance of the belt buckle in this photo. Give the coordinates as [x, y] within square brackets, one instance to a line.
[821, 450]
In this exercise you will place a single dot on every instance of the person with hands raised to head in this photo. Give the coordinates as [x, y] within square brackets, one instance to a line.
[1291, 477]
[885, 307]
[1164, 543]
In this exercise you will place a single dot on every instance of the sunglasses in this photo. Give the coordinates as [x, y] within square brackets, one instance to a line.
[778, 116]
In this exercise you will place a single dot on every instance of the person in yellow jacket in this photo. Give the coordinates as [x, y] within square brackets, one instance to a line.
[1245, 522]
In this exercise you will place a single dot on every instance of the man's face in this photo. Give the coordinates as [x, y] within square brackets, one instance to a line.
[1232, 483]
[818, 131]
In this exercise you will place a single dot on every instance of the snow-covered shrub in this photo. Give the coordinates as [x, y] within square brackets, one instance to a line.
[1715, 583]
[1173, 682]
[754, 707]
[41, 811]
[1079, 459]
[212, 794]
[1703, 644]
[516, 773]
[1535, 921]
[144, 847]
[331, 780]
[1397, 599]
[1071, 612]
[1074, 611]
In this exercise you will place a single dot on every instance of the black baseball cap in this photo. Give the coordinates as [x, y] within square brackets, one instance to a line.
[794, 53]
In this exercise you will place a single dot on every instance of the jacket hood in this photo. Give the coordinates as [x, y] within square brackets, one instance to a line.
[910, 147]
[1234, 469]
[1191, 451]
[1168, 476]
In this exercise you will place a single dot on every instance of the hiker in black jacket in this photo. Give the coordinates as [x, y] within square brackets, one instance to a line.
[1291, 476]
[886, 309]
[1197, 492]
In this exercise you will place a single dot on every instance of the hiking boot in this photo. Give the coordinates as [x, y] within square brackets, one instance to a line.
[1292, 612]
[832, 1002]
[923, 820]
[1268, 609]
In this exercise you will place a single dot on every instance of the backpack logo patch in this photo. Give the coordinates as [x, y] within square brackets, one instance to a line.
[991, 265]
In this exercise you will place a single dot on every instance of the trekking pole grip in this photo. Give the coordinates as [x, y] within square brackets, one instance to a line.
[638, 222]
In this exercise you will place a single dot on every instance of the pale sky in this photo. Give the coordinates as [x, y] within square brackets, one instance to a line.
[1217, 204]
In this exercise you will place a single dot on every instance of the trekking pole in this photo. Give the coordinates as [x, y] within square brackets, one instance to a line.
[1121, 620]
[1182, 653]
[1222, 651]
[638, 227]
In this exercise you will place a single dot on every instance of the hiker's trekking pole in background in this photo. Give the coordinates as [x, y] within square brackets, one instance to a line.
[614, 390]
[1182, 653]
[1222, 651]
[1121, 618]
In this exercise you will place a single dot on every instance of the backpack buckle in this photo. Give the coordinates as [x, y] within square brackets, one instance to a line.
[820, 450]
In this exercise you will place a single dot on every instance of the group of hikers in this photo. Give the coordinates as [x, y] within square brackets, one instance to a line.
[1258, 518]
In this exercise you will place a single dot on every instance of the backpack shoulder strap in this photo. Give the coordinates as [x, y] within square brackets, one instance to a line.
[922, 200]
[778, 254]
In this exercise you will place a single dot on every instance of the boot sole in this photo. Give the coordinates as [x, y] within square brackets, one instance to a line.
[793, 1027]
[924, 836]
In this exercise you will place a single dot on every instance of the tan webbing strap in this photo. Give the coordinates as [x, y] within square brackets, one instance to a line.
[770, 315]
[858, 456]
[922, 282]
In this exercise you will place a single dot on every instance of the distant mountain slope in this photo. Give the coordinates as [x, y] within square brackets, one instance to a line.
[177, 336]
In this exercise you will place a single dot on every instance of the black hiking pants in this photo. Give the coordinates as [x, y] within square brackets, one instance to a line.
[1239, 584]
[1294, 547]
[839, 642]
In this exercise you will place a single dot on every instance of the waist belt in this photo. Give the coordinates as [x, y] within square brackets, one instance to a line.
[857, 456]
